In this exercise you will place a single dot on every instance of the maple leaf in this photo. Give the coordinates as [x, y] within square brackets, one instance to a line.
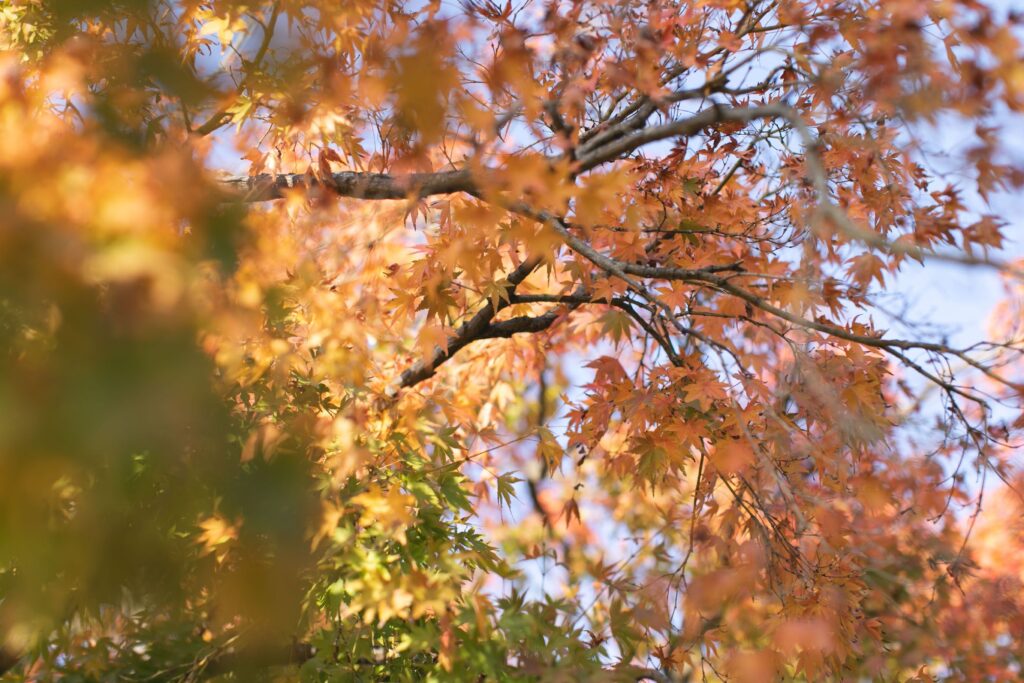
[732, 456]
[506, 491]
[224, 28]
[867, 267]
[330, 516]
[549, 450]
[616, 324]
[391, 511]
[218, 537]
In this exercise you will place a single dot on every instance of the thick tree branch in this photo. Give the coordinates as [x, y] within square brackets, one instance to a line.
[500, 330]
[477, 327]
[266, 186]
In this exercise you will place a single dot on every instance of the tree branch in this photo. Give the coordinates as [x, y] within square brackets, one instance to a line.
[267, 186]
[500, 330]
[477, 327]
[222, 116]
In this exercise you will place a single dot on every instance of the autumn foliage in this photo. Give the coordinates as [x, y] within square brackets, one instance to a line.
[542, 340]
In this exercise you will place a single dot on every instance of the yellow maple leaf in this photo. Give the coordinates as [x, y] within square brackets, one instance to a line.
[217, 537]
[330, 515]
[393, 511]
[224, 28]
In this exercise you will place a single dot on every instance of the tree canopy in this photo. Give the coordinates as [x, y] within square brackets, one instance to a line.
[538, 340]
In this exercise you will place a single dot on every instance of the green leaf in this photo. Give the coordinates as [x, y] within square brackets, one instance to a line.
[616, 324]
[506, 489]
